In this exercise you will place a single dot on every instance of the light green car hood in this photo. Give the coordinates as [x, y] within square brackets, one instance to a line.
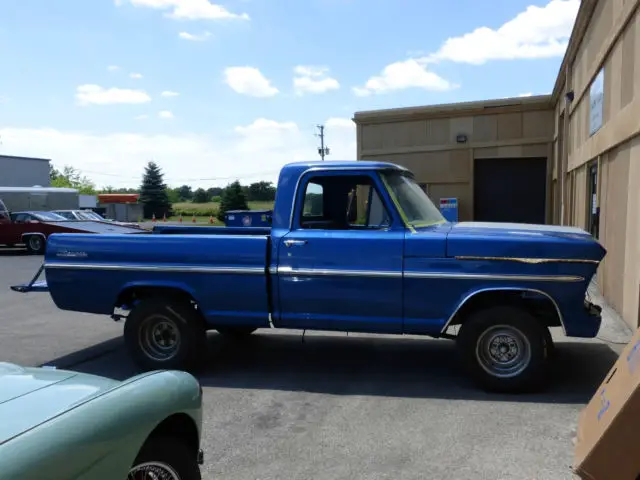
[31, 396]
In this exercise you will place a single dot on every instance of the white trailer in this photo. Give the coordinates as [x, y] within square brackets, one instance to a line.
[39, 198]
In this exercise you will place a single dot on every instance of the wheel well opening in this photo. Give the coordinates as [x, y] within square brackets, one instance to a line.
[538, 304]
[129, 296]
[181, 427]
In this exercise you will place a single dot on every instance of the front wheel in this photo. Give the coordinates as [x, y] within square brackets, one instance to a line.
[165, 335]
[165, 458]
[505, 349]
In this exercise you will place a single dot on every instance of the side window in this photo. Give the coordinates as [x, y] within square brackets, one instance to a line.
[313, 198]
[343, 202]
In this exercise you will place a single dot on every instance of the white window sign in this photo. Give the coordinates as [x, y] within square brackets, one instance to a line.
[596, 97]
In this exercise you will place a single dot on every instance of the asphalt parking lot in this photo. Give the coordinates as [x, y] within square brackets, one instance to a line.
[335, 406]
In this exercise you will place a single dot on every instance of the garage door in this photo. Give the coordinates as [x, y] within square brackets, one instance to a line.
[510, 190]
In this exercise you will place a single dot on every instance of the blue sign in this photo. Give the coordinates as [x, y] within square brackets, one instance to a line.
[449, 209]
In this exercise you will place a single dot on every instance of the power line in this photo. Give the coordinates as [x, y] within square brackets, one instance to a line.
[322, 150]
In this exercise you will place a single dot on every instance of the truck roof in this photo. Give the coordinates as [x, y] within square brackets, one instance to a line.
[298, 168]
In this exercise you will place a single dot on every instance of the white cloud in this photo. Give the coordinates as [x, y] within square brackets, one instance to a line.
[412, 73]
[249, 81]
[97, 95]
[249, 153]
[339, 122]
[165, 114]
[113, 68]
[169, 93]
[538, 32]
[309, 79]
[135, 75]
[528, 94]
[143, 116]
[187, 9]
[194, 37]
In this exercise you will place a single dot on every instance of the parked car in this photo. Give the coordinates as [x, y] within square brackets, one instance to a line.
[91, 215]
[62, 425]
[354, 246]
[32, 228]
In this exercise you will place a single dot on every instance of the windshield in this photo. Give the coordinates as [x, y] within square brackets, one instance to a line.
[48, 216]
[91, 215]
[416, 208]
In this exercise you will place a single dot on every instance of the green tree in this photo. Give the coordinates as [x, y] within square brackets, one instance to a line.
[261, 192]
[71, 178]
[153, 192]
[233, 198]
[174, 195]
[200, 196]
[185, 193]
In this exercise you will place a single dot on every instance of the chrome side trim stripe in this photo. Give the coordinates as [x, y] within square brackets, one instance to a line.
[158, 268]
[531, 260]
[493, 276]
[319, 272]
[310, 272]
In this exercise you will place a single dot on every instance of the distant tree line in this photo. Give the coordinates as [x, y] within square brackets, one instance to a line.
[158, 199]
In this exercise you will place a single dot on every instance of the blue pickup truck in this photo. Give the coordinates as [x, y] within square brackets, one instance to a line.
[353, 246]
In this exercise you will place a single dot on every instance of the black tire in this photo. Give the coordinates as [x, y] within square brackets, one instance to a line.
[513, 329]
[165, 335]
[36, 244]
[237, 333]
[167, 455]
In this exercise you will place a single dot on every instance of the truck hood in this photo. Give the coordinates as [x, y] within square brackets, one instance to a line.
[509, 240]
[31, 396]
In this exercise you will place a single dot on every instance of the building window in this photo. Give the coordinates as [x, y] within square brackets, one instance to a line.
[593, 209]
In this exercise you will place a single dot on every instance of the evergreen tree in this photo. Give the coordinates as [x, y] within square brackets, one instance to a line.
[153, 192]
[200, 196]
[233, 198]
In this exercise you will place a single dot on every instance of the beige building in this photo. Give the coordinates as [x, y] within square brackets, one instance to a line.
[572, 157]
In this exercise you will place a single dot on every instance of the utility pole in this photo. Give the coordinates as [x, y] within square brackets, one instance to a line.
[322, 150]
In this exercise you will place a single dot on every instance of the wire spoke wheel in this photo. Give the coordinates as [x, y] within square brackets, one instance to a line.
[35, 243]
[503, 351]
[159, 337]
[153, 471]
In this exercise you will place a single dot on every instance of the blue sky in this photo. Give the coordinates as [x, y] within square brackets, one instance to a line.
[218, 91]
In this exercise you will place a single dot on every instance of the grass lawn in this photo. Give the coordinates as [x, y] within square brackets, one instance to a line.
[203, 211]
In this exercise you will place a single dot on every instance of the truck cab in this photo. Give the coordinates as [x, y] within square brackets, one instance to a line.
[353, 247]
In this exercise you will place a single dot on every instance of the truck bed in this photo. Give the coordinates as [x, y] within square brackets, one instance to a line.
[225, 274]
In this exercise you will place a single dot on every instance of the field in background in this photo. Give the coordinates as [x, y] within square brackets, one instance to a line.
[204, 211]
[211, 208]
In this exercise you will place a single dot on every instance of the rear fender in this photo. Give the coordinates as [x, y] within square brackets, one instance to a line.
[133, 292]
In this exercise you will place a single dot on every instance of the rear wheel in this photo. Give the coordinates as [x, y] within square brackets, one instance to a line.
[236, 332]
[505, 349]
[35, 244]
[165, 458]
[164, 334]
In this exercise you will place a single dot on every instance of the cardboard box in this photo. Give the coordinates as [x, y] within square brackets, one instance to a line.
[607, 442]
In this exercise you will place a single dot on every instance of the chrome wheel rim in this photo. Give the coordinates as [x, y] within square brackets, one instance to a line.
[159, 338]
[503, 351]
[35, 243]
[153, 471]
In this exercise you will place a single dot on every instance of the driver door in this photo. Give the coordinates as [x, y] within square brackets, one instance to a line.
[340, 267]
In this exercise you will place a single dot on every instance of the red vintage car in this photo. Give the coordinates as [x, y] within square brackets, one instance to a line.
[32, 228]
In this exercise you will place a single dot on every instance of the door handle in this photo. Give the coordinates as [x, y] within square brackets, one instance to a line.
[294, 243]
